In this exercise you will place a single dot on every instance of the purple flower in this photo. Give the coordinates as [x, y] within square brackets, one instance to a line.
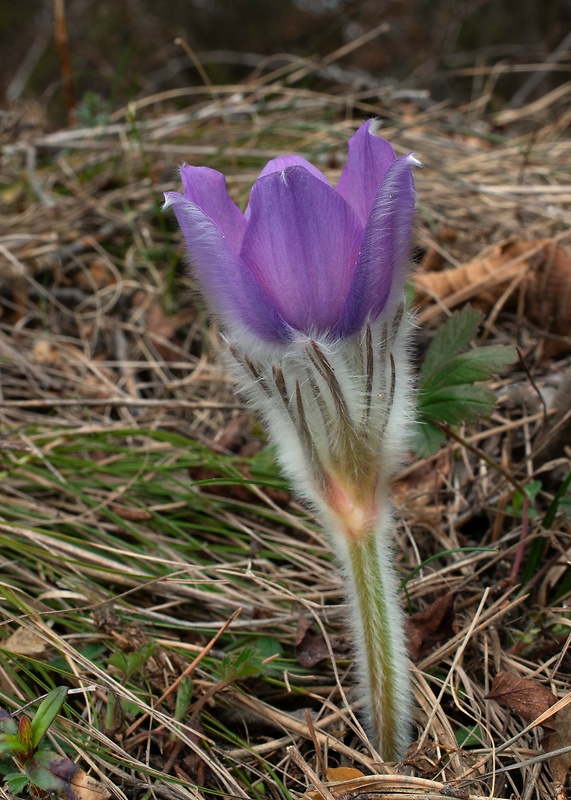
[304, 256]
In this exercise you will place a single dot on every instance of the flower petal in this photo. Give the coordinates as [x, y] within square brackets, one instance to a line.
[282, 162]
[228, 288]
[206, 188]
[369, 159]
[383, 259]
[301, 245]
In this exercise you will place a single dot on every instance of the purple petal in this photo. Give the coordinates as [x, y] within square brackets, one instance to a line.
[206, 188]
[369, 159]
[383, 260]
[228, 288]
[301, 246]
[282, 162]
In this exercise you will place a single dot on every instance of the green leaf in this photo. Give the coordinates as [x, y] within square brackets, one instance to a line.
[268, 646]
[183, 698]
[16, 782]
[469, 738]
[455, 404]
[450, 338]
[446, 390]
[560, 499]
[129, 663]
[25, 735]
[475, 365]
[532, 489]
[243, 664]
[47, 711]
[10, 743]
[426, 438]
[7, 724]
[52, 773]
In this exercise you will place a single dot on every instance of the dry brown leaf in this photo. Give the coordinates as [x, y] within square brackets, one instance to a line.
[162, 328]
[25, 642]
[524, 696]
[433, 624]
[46, 353]
[541, 269]
[343, 774]
[87, 788]
[311, 648]
[337, 775]
[561, 737]
[131, 513]
[97, 276]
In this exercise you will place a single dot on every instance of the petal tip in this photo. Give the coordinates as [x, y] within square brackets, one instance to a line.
[374, 125]
[414, 160]
[168, 201]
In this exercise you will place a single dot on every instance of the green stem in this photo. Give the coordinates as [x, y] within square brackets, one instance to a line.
[380, 646]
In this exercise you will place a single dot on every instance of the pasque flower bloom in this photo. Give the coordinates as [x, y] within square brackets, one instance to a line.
[308, 285]
[304, 256]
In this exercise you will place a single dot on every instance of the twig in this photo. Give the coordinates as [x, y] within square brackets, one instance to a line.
[62, 45]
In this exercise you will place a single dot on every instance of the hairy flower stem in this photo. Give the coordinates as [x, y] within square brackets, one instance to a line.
[378, 632]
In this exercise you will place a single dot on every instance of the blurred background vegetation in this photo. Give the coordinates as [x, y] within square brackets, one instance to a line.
[123, 49]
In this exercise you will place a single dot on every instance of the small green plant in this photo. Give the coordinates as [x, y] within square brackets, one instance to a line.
[44, 771]
[516, 507]
[449, 387]
[92, 110]
[131, 663]
[244, 663]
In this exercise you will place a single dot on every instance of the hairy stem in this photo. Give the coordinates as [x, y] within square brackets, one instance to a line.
[380, 647]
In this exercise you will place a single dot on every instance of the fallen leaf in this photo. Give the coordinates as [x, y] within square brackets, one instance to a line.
[46, 353]
[131, 513]
[524, 696]
[561, 737]
[162, 329]
[235, 433]
[98, 276]
[433, 625]
[311, 648]
[540, 268]
[344, 774]
[25, 643]
[88, 788]
[337, 775]
[59, 776]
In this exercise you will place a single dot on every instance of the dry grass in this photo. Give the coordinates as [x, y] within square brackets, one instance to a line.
[145, 533]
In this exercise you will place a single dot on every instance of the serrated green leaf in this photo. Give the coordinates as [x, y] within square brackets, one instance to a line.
[16, 782]
[244, 664]
[475, 365]
[426, 438]
[532, 489]
[47, 711]
[454, 335]
[454, 405]
[129, 663]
